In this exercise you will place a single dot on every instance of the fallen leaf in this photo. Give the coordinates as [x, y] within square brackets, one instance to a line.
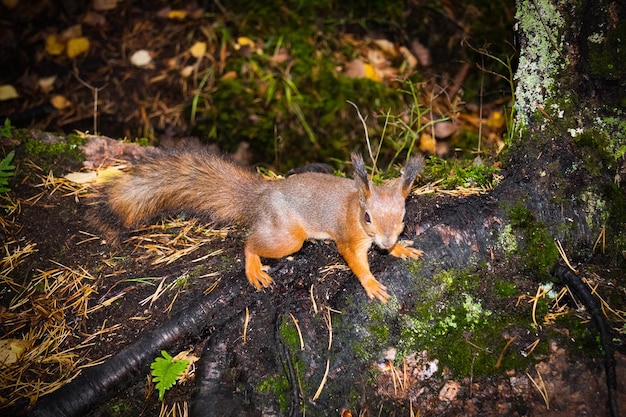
[422, 53]
[449, 391]
[77, 46]
[59, 102]
[495, 120]
[12, 349]
[428, 143]
[46, 84]
[82, 177]
[141, 58]
[101, 5]
[408, 57]
[187, 71]
[445, 128]
[8, 92]
[198, 49]
[74, 31]
[94, 19]
[230, 75]
[370, 72]
[377, 59]
[386, 46]
[177, 14]
[243, 41]
[53, 46]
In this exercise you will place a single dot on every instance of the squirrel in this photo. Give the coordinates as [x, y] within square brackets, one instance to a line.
[279, 215]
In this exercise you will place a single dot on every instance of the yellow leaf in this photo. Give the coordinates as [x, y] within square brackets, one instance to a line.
[8, 92]
[82, 177]
[12, 349]
[243, 41]
[177, 14]
[77, 46]
[370, 72]
[198, 49]
[427, 143]
[59, 102]
[495, 120]
[53, 46]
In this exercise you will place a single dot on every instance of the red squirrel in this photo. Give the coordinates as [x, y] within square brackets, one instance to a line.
[279, 215]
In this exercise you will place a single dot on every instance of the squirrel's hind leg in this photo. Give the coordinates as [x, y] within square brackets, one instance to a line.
[269, 244]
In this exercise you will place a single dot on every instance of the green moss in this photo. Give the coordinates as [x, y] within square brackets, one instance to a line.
[53, 153]
[607, 55]
[505, 289]
[279, 387]
[536, 246]
[454, 173]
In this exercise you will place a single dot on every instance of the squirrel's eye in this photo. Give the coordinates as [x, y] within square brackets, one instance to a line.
[367, 218]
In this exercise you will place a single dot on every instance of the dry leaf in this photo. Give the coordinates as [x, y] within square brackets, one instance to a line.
[198, 49]
[177, 14]
[77, 46]
[377, 59]
[422, 53]
[408, 57]
[358, 69]
[230, 75]
[101, 5]
[449, 391]
[12, 349]
[75, 31]
[141, 58]
[427, 143]
[495, 120]
[46, 84]
[445, 128]
[281, 56]
[370, 72]
[243, 41]
[82, 177]
[94, 19]
[8, 92]
[187, 71]
[53, 46]
[386, 46]
[59, 102]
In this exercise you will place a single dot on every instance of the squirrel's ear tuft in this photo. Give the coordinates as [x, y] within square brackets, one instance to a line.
[411, 169]
[360, 175]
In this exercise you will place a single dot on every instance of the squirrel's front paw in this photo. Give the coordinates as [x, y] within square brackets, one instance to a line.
[401, 251]
[376, 289]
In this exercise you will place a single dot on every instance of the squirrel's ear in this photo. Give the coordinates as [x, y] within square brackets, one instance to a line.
[360, 175]
[411, 169]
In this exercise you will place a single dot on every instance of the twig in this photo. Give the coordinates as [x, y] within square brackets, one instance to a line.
[95, 100]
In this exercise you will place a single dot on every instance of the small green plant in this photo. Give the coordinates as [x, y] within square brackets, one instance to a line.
[5, 131]
[166, 371]
[6, 171]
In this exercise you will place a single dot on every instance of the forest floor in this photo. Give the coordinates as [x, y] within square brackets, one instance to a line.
[69, 299]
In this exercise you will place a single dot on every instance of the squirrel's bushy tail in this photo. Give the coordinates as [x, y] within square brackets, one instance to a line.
[194, 182]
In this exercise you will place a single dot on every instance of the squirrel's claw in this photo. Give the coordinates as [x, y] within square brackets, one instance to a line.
[403, 251]
[376, 289]
[256, 272]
